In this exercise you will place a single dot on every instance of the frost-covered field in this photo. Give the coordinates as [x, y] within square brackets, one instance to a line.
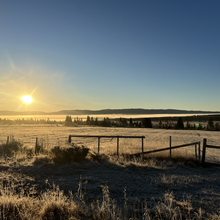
[181, 190]
[53, 135]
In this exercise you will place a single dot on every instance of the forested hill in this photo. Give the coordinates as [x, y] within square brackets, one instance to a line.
[108, 111]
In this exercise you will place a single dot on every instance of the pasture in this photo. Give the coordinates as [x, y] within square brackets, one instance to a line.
[112, 187]
[56, 135]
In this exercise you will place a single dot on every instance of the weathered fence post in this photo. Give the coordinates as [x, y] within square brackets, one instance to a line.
[204, 149]
[117, 146]
[8, 140]
[69, 140]
[196, 151]
[199, 151]
[142, 148]
[36, 141]
[36, 146]
[98, 144]
[170, 146]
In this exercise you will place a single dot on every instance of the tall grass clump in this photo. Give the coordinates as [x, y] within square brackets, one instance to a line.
[11, 147]
[74, 153]
[54, 204]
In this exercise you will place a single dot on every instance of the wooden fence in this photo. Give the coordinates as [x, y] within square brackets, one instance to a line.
[197, 150]
[101, 136]
[205, 145]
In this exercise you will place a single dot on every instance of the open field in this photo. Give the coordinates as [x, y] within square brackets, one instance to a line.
[121, 188]
[55, 135]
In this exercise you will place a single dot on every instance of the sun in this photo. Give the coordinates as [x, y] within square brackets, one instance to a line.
[27, 99]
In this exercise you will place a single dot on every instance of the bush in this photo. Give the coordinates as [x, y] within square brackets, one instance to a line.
[10, 148]
[66, 155]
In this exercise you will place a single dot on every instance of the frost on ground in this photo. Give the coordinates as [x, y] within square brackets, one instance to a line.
[192, 188]
[154, 189]
[55, 135]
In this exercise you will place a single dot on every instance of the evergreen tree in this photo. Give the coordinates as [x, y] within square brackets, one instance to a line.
[188, 125]
[147, 123]
[217, 126]
[180, 124]
[131, 122]
[68, 120]
[210, 124]
[88, 120]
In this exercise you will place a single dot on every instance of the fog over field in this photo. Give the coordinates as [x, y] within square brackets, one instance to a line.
[99, 116]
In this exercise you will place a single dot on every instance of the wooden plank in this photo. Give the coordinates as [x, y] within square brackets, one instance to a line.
[69, 140]
[117, 146]
[98, 144]
[184, 145]
[199, 151]
[196, 151]
[212, 146]
[204, 149]
[142, 149]
[168, 148]
[105, 136]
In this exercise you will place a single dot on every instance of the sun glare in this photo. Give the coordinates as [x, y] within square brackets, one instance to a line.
[27, 99]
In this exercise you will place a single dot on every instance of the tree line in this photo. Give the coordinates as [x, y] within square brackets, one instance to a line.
[142, 123]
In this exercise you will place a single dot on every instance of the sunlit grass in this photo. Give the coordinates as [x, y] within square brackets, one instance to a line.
[53, 203]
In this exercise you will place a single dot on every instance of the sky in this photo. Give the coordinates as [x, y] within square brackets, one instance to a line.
[110, 54]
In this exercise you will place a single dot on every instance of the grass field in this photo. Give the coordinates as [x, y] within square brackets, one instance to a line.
[108, 187]
[54, 135]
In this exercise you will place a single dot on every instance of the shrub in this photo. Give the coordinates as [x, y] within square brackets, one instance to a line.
[11, 147]
[66, 155]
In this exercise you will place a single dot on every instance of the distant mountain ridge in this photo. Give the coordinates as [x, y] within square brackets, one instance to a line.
[131, 111]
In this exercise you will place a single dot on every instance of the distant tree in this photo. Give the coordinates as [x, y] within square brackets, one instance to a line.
[217, 126]
[199, 127]
[210, 124]
[106, 122]
[96, 121]
[68, 120]
[88, 120]
[92, 122]
[188, 125]
[147, 123]
[131, 122]
[180, 124]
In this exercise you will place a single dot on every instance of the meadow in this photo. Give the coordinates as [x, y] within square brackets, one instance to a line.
[106, 186]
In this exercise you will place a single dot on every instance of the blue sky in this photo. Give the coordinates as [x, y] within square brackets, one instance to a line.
[92, 54]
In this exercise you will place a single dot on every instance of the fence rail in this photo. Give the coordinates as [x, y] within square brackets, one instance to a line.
[110, 136]
[197, 150]
[175, 147]
[205, 145]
